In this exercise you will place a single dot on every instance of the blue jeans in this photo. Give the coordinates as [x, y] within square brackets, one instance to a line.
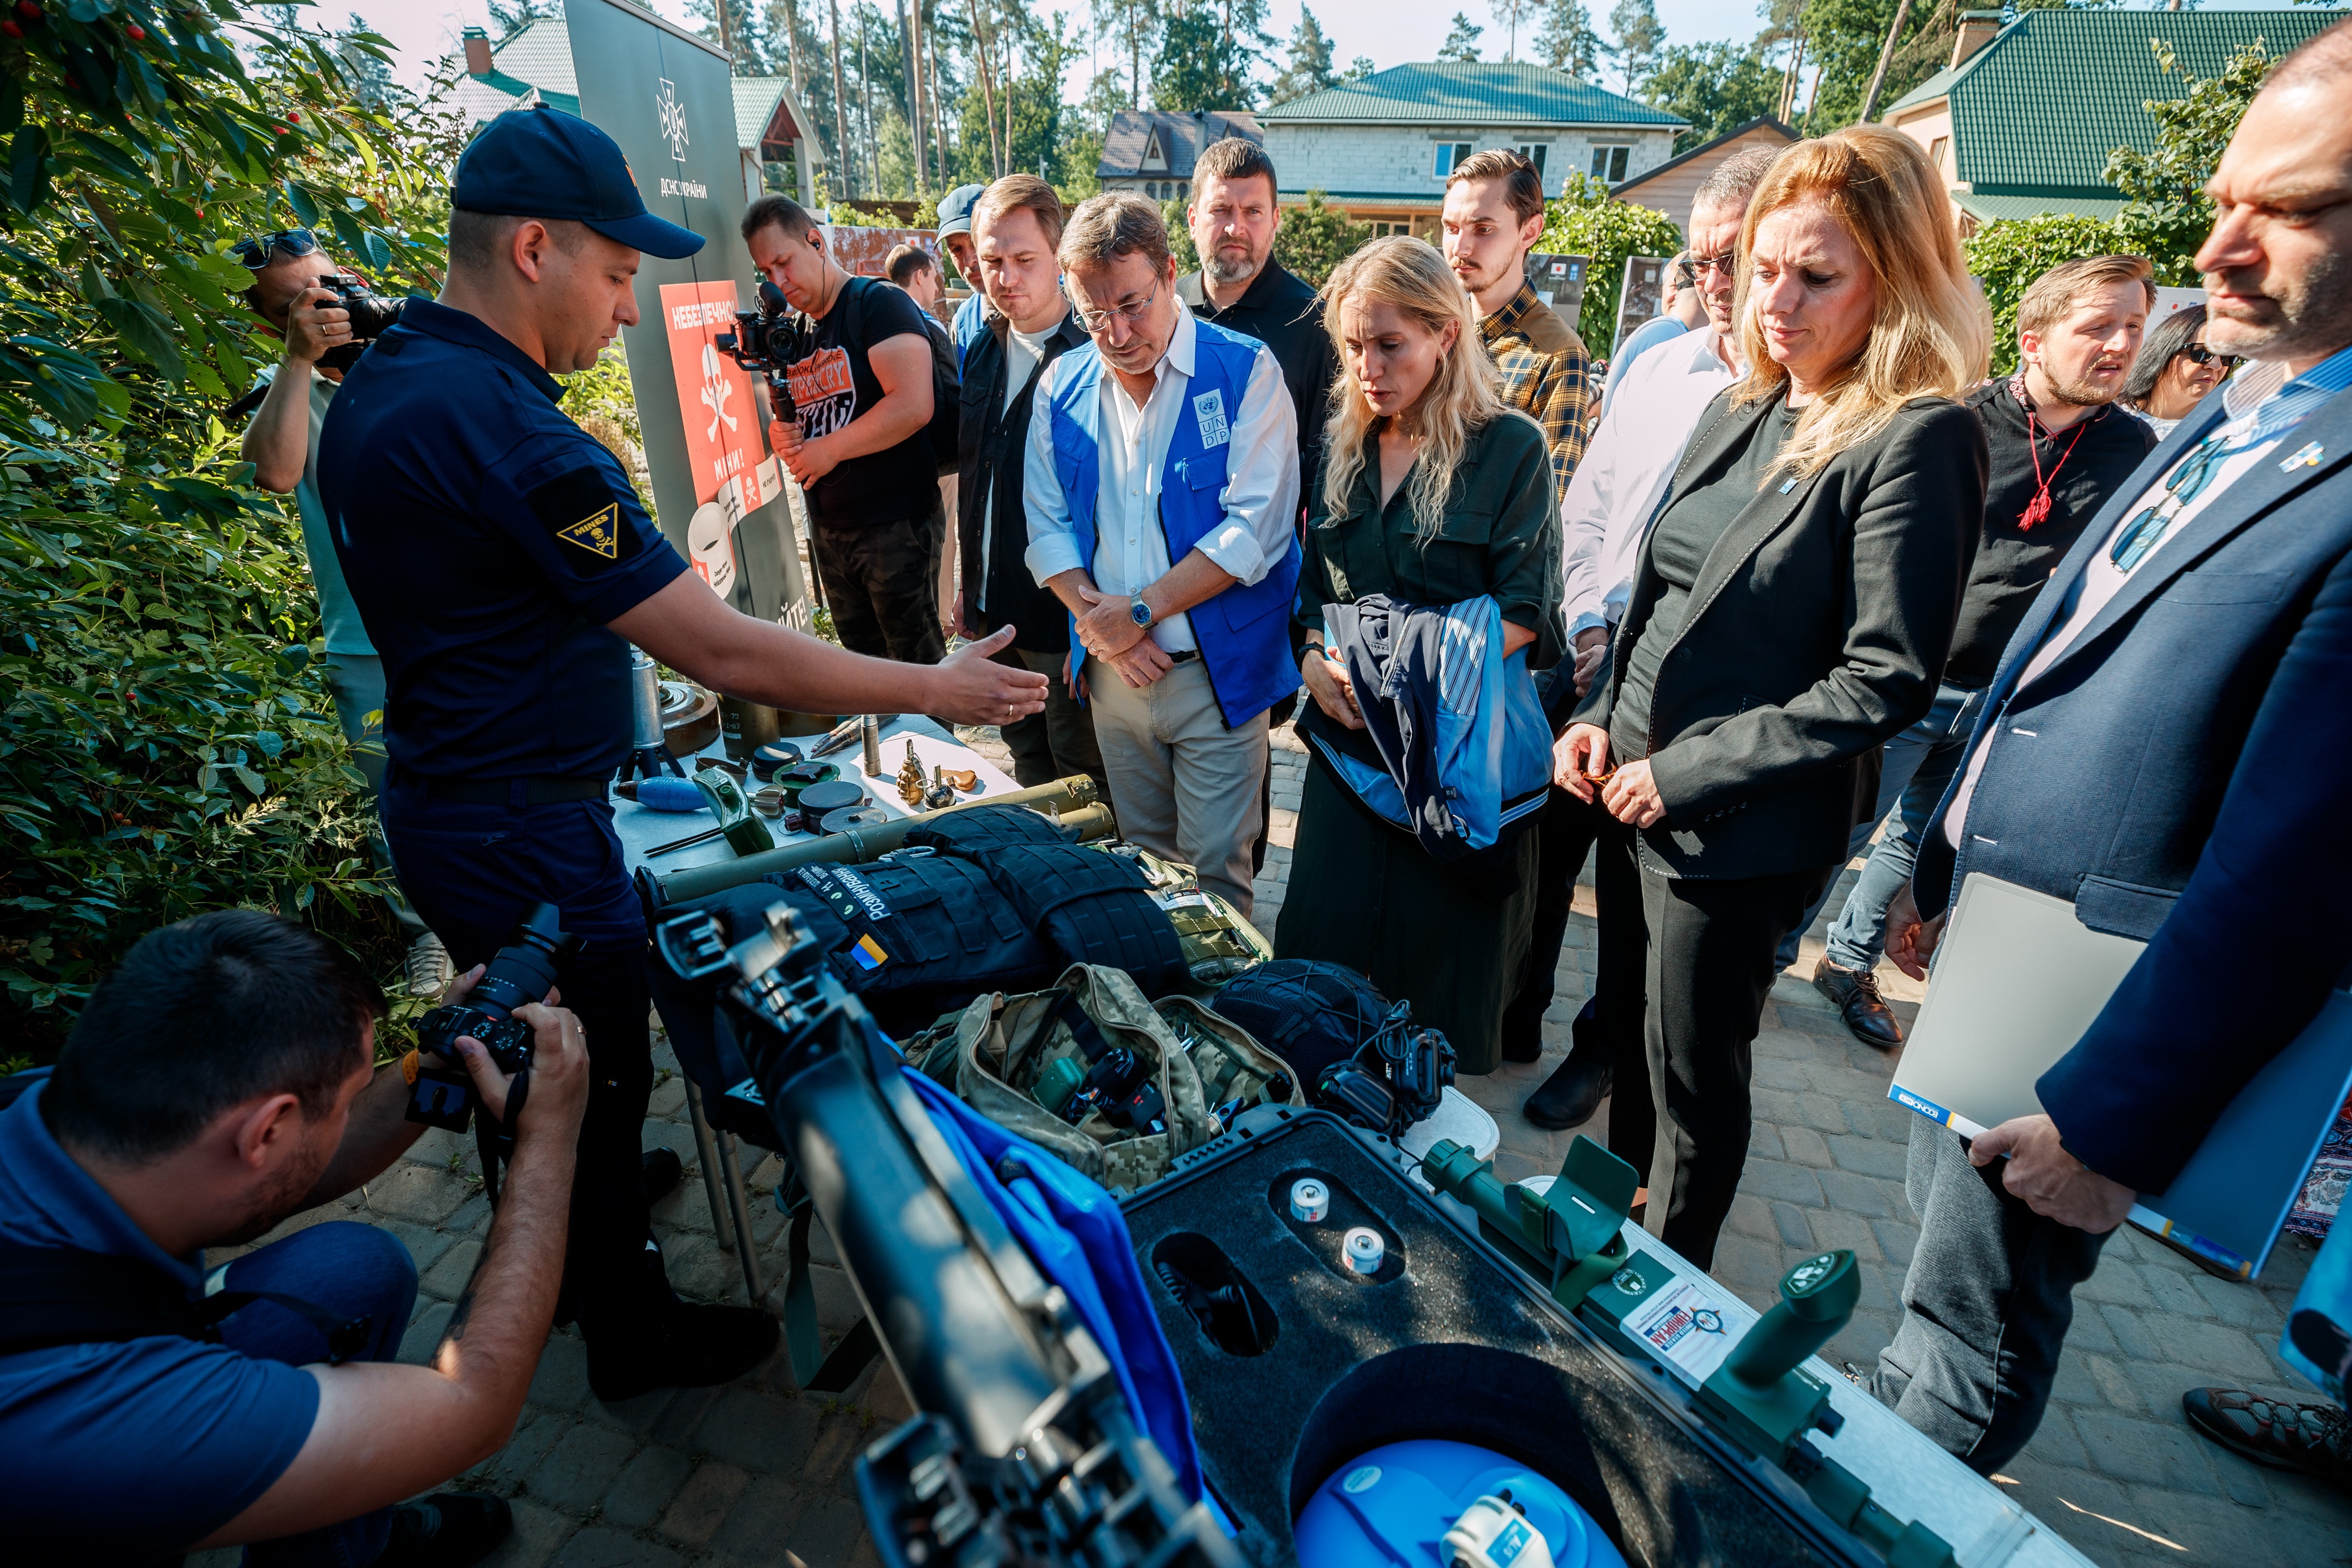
[347, 1270]
[1917, 765]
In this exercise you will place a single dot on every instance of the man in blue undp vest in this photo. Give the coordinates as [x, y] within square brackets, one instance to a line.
[1162, 478]
[502, 565]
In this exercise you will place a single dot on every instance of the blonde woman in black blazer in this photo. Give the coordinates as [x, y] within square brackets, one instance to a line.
[1791, 608]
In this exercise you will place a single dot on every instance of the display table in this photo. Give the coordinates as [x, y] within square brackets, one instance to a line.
[642, 829]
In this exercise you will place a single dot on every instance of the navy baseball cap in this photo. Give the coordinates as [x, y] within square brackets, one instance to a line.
[544, 163]
[955, 209]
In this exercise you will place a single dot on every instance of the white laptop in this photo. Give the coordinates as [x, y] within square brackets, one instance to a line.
[2016, 982]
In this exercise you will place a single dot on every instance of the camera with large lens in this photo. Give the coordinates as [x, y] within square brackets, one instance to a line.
[522, 972]
[371, 315]
[766, 340]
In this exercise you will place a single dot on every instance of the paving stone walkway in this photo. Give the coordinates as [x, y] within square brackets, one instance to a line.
[759, 1473]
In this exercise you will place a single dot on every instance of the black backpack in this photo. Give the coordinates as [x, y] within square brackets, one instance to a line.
[947, 381]
[1310, 1013]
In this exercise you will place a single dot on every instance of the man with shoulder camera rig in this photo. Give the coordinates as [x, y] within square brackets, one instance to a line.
[502, 563]
[300, 291]
[217, 1083]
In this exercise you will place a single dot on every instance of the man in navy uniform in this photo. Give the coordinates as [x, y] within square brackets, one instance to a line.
[502, 565]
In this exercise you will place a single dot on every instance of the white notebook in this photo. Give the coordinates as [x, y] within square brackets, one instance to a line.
[2016, 982]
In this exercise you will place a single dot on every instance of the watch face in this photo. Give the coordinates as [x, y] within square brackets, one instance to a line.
[1140, 612]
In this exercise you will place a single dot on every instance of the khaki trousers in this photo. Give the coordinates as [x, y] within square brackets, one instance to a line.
[1183, 785]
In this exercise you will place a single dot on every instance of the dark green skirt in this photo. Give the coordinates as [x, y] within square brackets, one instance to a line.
[1367, 895]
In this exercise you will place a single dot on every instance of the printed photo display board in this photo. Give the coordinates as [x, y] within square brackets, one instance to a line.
[666, 98]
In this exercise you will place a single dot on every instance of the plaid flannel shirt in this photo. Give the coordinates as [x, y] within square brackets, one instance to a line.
[1544, 373]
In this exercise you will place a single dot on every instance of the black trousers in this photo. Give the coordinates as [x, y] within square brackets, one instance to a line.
[471, 872]
[1709, 968]
[882, 584]
[1986, 1306]
[1571, 830]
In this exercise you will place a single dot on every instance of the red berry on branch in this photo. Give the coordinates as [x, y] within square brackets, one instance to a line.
[137, 34]
[28, 10]
[11, 29]
[292, 118]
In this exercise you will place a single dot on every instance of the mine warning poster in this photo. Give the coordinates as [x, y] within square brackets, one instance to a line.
[666, 97]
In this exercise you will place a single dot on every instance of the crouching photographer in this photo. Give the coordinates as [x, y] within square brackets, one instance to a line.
[216, 1083]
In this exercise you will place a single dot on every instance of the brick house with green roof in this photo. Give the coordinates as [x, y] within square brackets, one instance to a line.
[2022, 121]
[1380, 148]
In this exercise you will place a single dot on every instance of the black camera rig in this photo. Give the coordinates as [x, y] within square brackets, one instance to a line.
[1026, 1450]
[767, 339]
[1393, 1079]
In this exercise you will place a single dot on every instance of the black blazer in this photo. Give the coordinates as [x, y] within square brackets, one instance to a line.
[993, 443]
[1818, 630]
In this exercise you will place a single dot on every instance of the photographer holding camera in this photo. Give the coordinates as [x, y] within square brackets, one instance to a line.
[218, 1082]
[307, 301]
[503, 564]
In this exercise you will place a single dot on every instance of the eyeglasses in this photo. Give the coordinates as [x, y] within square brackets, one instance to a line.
[1099, 320]
[2147, 530]
[1723, 264]
[2203, 355]
[256, 250]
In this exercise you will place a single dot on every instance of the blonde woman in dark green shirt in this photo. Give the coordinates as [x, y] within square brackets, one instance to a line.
[1433, 491]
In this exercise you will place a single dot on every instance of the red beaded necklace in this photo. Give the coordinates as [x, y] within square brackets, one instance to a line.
[2038, 509]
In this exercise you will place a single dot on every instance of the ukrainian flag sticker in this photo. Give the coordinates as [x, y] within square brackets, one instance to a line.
[868, 953]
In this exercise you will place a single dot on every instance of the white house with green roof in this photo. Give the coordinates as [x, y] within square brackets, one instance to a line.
[2023, 120]
[773, 134]
[1380, 148]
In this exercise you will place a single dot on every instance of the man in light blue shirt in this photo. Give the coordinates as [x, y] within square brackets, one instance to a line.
[282, 445]
[1161, 482]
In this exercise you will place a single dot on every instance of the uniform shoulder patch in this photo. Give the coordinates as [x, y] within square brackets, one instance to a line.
[581, 510]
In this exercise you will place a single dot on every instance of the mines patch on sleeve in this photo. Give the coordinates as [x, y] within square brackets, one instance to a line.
[581, 510]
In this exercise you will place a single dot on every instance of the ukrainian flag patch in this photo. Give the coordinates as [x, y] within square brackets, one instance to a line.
[868, 953]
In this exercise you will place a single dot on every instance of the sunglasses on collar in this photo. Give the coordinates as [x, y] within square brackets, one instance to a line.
[256, 250]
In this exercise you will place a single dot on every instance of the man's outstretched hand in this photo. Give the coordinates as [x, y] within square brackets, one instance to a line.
[974, 689]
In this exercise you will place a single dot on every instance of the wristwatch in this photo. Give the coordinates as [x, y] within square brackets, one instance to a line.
[1141, 613]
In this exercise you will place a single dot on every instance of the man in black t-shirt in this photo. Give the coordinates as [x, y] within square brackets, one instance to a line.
[2060, 446]
[859, 445]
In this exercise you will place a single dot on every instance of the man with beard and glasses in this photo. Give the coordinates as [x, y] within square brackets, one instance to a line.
[219, 1082]
[2164, 746]
[2060, 446]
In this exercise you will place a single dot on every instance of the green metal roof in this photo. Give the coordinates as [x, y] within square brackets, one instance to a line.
[2038, 111]
[1986, 208]
[1468, 93]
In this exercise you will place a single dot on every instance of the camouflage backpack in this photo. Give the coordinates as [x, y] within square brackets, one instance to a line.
[1003, 1049]
[1217, 941]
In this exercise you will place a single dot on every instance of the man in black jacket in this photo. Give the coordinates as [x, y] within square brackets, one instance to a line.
[1016, 226]
[2060, 446]
[1233, 218]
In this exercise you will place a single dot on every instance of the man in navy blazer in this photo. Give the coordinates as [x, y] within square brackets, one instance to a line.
[2169, 745]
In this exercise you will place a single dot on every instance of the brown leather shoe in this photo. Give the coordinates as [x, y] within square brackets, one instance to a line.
[2314, 1439]
[1865, 1012]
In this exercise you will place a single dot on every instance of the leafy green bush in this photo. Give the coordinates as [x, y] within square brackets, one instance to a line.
[166, 741]
[1587, 221]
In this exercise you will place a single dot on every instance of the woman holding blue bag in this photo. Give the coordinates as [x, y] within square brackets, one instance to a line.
[1432, 567]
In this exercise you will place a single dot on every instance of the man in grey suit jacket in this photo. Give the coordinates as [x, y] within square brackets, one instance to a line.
[2166, 744]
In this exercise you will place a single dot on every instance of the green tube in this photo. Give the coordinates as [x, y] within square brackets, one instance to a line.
[1073, 799]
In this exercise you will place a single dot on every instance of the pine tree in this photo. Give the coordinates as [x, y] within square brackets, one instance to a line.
[1359, 68]
[1568, 42]
[1309, 67]
[1640, 35]
[1509, 14]
[1462, 43]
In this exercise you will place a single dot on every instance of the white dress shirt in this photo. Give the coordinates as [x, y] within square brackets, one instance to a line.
[1261, 493]
[1650, 411]
[1023, 353]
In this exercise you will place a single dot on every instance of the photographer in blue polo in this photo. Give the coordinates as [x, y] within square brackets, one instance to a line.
[218, 1082]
